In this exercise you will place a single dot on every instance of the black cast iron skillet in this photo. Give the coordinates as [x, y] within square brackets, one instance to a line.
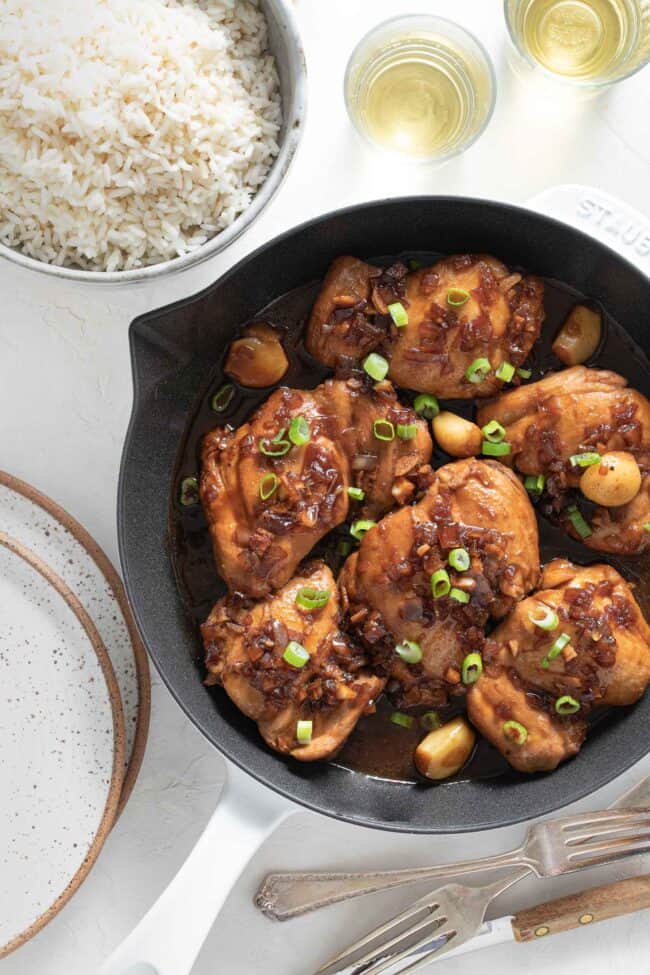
[174, 350]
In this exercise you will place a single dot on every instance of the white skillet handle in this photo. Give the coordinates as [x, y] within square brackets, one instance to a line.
[610, 220]
[169, 937]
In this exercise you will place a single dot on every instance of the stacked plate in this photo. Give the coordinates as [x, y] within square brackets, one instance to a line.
[74, 707]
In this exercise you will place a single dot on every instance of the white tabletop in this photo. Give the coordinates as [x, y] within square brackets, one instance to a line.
[65, 395]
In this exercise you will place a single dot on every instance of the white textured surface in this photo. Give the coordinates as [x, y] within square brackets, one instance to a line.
[65, 393]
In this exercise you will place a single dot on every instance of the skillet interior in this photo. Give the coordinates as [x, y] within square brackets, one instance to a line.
[174, 352]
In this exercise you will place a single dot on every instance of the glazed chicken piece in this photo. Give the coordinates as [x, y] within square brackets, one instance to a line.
[478, 506]
[597, 653]
[461, 309]
[244, 643]
[577, 411]
[269, 500]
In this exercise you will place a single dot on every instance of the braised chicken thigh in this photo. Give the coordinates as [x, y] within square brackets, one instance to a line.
[289, 667]
[402, 586]
[581, 641]
[273, 487]
[462, 311]
[574, 412]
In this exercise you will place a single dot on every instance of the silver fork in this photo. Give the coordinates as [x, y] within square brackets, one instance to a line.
[551, 848]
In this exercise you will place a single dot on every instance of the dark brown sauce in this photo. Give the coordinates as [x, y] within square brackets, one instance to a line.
[378, 747]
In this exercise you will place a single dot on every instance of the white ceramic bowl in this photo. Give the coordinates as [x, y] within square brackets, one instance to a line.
[286, 46]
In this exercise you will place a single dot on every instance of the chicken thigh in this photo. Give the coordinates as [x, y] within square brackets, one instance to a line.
[460, 310]
[581, 641]
[572, 412]
[276, 485]
[474, 507]
[245, 642]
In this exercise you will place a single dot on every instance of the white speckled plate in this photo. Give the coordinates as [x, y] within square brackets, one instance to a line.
[45, 528]
[61, 743]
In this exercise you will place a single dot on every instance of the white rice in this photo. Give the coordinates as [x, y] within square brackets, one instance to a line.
[131, 131]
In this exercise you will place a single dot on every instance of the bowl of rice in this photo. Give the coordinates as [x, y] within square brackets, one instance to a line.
[140, 137]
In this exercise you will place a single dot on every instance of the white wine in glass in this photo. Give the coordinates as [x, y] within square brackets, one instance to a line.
[586, 42]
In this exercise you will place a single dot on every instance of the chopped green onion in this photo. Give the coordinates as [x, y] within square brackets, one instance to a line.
[376, 366]
[440, 583]
[459, 559]
[505, 371]
[459, 595]
[495, 449]
[414, 265]
[581, 526]
[562, 641]
[295, 654]
[344, 548]
[409, 651]
[268, 486]
[544, 617]
[383, 430]
[399, 314]
[356, 493]
[277, 447]
[535, 483]
[493, 431]
[524, 373]
[304, 730]
[431, 720]
[308, 598]
[359, 528]
[478, 370]
[403, 720]
[189, 493]
[299, 433]
[426, 405]
[584, 460]
[222, 398]
[517, 733]
[646, 526]
[407, 431]
[472, 668]
[457, 297]
[567, 704]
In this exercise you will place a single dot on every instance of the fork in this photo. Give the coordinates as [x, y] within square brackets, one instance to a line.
[551, 848]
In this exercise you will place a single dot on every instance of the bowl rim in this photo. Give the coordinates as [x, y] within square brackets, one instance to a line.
[294, 123]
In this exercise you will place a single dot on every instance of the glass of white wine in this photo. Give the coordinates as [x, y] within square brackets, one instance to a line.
[588, 43]
[420, 86]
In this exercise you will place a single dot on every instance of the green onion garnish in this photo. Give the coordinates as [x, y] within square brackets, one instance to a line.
[457, 297]
[581, 526]
[430, 720]
[277, 447]
[308, 598]
[189, 493]
[524, 373]
[584, 460]
[407, 431]
[426, 405]
[401, 719]
[299, 433]
[517, 733]
[495, 449]
[414, 265]
[304, 731]
[356, 493]
[399, 314]
[268, 486]
[544, 617]
[295, 654]
[478, 370]
[409, 651]
[562, 641]
[459, 595]
[493, 431]
[344, 548]
[222, 398]
[376, 366]
[440, 583]
[646, 526]
[567, 704]
[459, 559]
[505, 371]
[359, 528]
[472, 668]
[534, 483]
[383, 430]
